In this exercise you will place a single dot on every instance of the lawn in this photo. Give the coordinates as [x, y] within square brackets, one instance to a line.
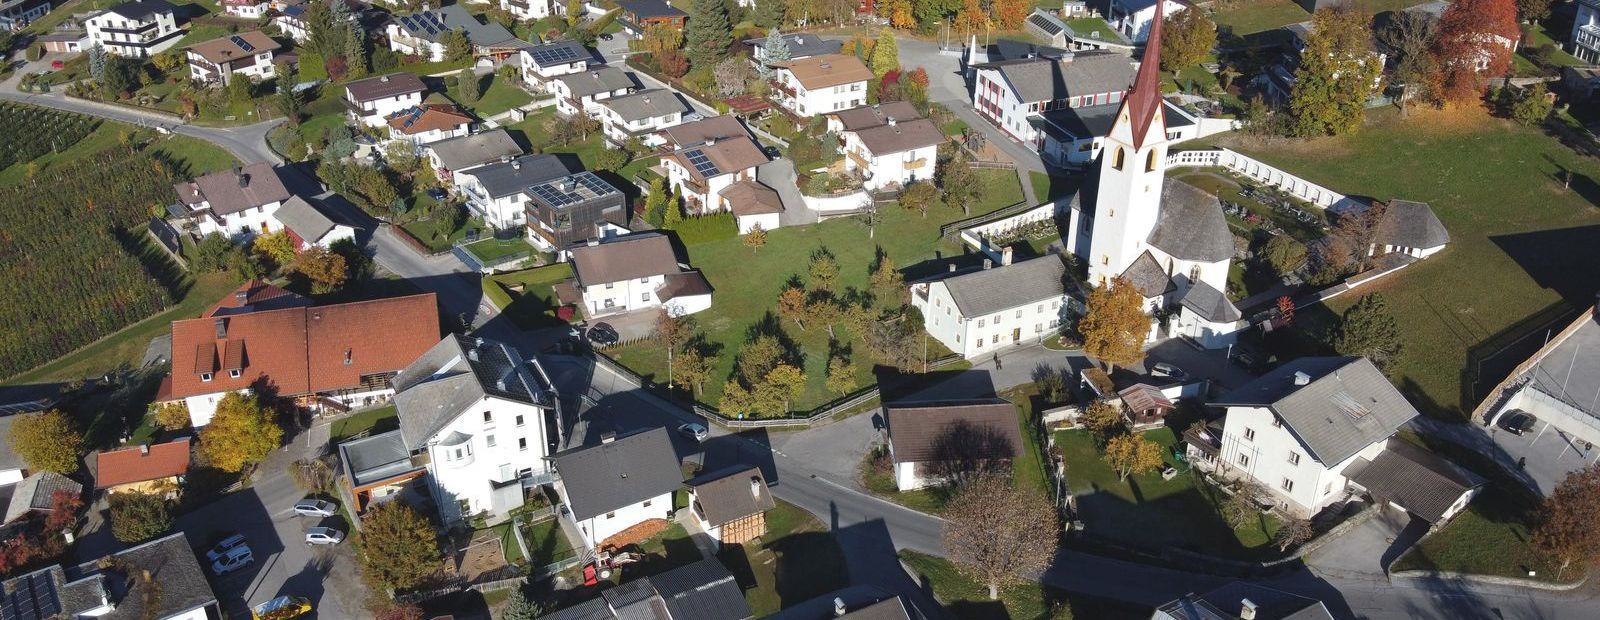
[490, 250]
[438, 234]
[500, 95]
[546, 544]
[1048, 187]
[535, 305]
[508, 543]
[795, 561]
[380, 420]
[1260, 15]
[1088, 26]
[190, 156]
[1520, 253]
[1150, 513]
[968, 600]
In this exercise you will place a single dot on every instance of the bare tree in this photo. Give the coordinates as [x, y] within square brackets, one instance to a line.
[996, 534]
[1292, 533]
[1244, 506]
[1407, 36]
[311, 475]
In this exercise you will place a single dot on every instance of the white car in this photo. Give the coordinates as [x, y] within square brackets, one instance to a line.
[324, 536]
[694, 431]
[309, 507]
[222, 548]
[235, 559]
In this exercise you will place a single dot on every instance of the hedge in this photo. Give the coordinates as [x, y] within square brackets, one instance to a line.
[707, 228]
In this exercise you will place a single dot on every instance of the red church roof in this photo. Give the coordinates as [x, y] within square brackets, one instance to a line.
[1143, 102]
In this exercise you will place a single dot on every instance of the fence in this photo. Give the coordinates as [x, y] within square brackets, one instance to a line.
[979, 220]
[1015, 225]
[770, 137]
[1262, 173]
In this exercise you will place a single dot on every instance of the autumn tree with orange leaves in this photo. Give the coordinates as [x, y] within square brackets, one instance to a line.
[1472, 33]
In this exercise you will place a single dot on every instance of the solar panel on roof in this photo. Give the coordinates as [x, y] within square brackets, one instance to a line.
[243, 44]
[33, 599]
[549, 56]
[702, 163]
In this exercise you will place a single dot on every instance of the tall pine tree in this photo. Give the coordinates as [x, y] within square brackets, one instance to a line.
[770, 13]
[708, 34]
[777, 51]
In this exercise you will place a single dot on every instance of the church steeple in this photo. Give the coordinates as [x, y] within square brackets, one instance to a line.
[1143, 102]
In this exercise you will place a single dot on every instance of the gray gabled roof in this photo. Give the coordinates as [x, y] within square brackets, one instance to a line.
[304, 218]
[1208, 302]
[1228, 601]
[980, 292]
[1079, 73]
[455, 374]
[646, 104]
[1146, 275]
[1345, 406]
[731, 493]
[37, 492]
[704, 590]
[1410, 224]
[628, 470]
[477, 149]
[1422, 482]
[424, 25]
[803, 44]
[140, 9]
[180, 584]
[376, 458]
[1191, 225]
[595, 81]
[504, 178]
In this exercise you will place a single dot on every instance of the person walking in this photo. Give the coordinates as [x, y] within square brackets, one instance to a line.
[997, 361]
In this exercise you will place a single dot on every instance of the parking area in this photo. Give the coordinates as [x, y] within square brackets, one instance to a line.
[1545, 453]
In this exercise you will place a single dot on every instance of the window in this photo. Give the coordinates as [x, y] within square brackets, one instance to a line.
[1019, 314]
[1194, 273]
[980, 322]
[519, 420]
[205, 376]
[995, 339]
[489, 439]
[644, 280]
[1150, 161]
[980, 342]
[1244, 460]
[488, 416]
[1287, 485]
[522, 443]
[1277, 422]
[234, 373]
[1249, 434]
[1116, 159]
[647, 503]
[1294, 457]
[611, 515]
[1040, 308]
[1105, 259]
[645, 296]
[610, 285]
[996, 319]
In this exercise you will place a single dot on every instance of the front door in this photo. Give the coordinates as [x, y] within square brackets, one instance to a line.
[1016, 335]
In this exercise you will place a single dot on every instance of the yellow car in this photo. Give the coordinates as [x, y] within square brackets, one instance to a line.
[281, 608]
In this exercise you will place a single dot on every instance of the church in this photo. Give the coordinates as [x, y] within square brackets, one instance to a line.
[1168, 238]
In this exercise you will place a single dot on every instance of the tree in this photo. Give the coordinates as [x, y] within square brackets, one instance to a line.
[1243, 507]
[733, 76]
[574, 13]
[777, 46]
[823, 271]
[276, 246]
[1115, 325]
[611, 160]
[770, 14]
[64, 507]
[995, 533]
[520, 607]
[1102, 419]
[692, 367]
[841, 376]
[958, 182]
[1292, 533]
[1533, 106]
[46, 441]
[971, 18]
[456, 44]
[242, 432]
[708, 34]
[172, 416]
[238, 90]
[355, 49]
[98, 59]
[1566, 529]
[659, 38]
[289, 102]
[1407, 36]
[326, 270]
[1468, 47]
[654, 201]
[137, 517]
[323, 29]
[674, 331]
[888, 286]
[792, 306]
[1533, 10]
[213, 252]
[167, 62]
[1337, 73]
[886, 54]
[672, 212]
[397, 546]
[787, 382]
[1186, 38]
[1367, 329]
[1132, 454]
[755, 238]
[1284, 254]
[402, 157]
[403, 611]
[919, 196]
[468, 86]
[1008, 14]
[311, 475]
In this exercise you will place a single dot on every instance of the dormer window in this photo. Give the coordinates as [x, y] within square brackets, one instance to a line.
[205, 376]
[488, 416]
[234, 374]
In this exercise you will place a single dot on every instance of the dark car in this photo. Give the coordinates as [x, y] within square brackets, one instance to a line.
[1518, 422]
[605, 36]
[604, 335]
[437, 193]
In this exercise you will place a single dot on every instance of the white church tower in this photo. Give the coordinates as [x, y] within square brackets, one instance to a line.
[1132, 167]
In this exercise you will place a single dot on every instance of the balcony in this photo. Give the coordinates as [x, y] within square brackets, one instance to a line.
[1589, 36]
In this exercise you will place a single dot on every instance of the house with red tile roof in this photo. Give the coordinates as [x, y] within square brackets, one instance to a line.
[333, 356]
[156, 469]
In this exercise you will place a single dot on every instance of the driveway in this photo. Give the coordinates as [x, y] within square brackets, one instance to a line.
[834, 451]
[1541, 458]
[1369, 548]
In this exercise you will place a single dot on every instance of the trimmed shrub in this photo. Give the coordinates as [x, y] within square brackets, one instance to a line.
[707, 228]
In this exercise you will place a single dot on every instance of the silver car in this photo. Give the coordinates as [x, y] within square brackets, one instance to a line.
[324, 536]
[235, 559]
[222, 548]
[310, 507]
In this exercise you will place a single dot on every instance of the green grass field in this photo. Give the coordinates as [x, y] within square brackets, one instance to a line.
[1520, 253]
[499, 94]
[490, 250]
[380, 420]
[968, 600]
[190, 156]
[535, 306]
[796, 560]
[546, 543]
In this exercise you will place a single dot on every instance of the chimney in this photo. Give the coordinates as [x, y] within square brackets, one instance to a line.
[891, 121]
[1005, 256]
[384, 79]
[839, 610]
[825, 66]
[1247, 610]
[755, 487]
[222, 328]
[987, 264]
[516, 164]
[608, 437]
[244, 180]
[1301, 378]
[348, 356]
[952, 268]
[144, 449]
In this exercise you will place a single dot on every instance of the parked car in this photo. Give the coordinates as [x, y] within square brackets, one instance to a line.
[324, 536]
[1518, 422]
[281, 608]
[222, 547]
[310, 507]
[604, 335]
[1170, 371]
[695, 431]
[606, 36]
[235, 559]
[437, 193]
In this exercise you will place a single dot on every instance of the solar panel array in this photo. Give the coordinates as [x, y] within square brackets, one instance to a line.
[1044, 24]
[243, 44]
[33, 599]
[555, 54]
[412, 114]
[702, 163]
[426, 21]
[585, 186]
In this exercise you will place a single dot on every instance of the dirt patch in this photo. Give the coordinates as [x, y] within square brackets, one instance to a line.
[635, 535]
[482, 555]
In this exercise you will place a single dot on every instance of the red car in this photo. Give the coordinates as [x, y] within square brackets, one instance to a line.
[57, 65]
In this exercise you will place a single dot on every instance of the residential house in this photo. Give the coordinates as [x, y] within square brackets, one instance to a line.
[1584, 42]
[640, 14]
[483, 418]
[335, 356]
[1013, 94]
[704, 590]
[800, 44]
[573, 209]
[713, 163]
[1557, 386]
[585, 90]
[17, 14]
[417, 34]
[730, 505]
[379, 468]
[12, 469]
[821, 84]
[890, 146]
[237, 203]
[138, 29]
[450, 155]
[930, 442]
[1074, 136]
[156, 580]
[978, 311]
[618, 484]
[220, 60]
[1045, 26]
[1133, 18]
[1509, 40]
[641, 115]
[525, 10]
[153, 469]
[64, 41]
[309, 227]
[291, 21]
[256, 295]
[1315, 431]
[36, 494]
[428, 123]
[1144, 406]
[497, 191]
[636, 272]
[852, 603]
[1409, 228]
[1239, 600]
[245, 9]
[373, 100]
[544, 62]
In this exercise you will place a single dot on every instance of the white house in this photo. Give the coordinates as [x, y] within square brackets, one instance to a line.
[1242, 600]
[984, 310]
[636, 272]
[417, 34]
[291, 21]
[890, 145]
[799, 45]
[237, 203]
[17, 14]
[176, 588]
[820, 84]
[486, 418]
[1317, 430]
[1584, 41]
[542, 63]
[309, 227]
[583, 91]
[620, 483]
[641, 115]
[532, 9]
[373, 100]
[707, 159]
[245, 55]
[139, 29]
[451, 155]
[1133, 18]
[497, 191]
[930, 442]
[1014, 93]
[730, 504]
[428, 123]
[245, 9]
[1509, 40]
[1410, 228]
